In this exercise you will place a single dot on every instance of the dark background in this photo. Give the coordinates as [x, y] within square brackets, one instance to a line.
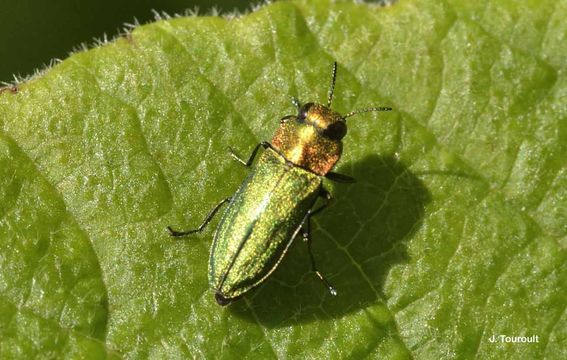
[32, 32]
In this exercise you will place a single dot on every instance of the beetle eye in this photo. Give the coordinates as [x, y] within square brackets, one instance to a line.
[303, 112]
[335, 131]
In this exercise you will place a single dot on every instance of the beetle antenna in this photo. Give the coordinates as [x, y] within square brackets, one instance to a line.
[360, 111]
[332, 87]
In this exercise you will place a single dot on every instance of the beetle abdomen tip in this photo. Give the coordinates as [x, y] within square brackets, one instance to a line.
[221, 300]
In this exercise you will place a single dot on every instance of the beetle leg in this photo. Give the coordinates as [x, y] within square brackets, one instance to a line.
[207, 220]
[306, 226]
[341, 178]
[307, 239]
[328, 198]
[287, 118]
[264, 144]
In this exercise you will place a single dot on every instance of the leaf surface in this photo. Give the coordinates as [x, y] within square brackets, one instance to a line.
[456, 229]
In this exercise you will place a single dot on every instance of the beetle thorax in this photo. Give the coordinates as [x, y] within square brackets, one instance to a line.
[303, 141]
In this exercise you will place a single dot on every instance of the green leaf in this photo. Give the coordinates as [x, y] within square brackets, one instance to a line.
[455, 231]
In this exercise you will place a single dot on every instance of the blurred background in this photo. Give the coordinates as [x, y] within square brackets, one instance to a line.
[32, 32]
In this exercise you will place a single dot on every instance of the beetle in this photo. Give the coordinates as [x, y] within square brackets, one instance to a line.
[276, 202]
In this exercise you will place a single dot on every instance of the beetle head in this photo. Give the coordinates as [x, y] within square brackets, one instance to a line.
[327, 123]
[312, 138]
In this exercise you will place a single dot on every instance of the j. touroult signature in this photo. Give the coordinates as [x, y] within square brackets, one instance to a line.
[514, 339]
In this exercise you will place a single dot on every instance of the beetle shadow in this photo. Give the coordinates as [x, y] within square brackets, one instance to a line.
[356, 241]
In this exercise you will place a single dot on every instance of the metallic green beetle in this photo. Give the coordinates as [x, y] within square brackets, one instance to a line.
[276, 201]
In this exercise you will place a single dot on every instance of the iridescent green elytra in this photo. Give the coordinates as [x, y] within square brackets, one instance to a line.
[276, 201]
[256, 229]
